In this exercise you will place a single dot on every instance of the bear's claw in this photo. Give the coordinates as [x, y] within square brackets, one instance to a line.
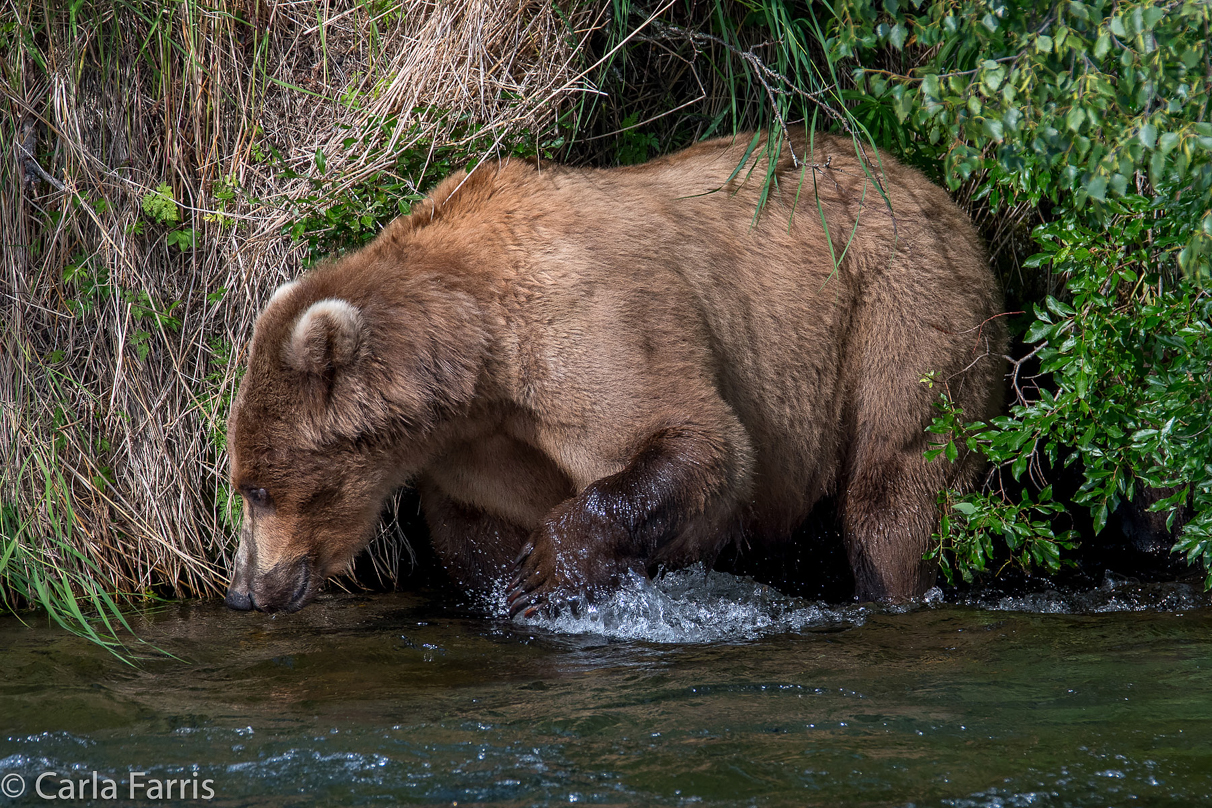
[527, 549]
[537, 588]
[527, 593]
[534, 604]
[529, 602]
[533, 582]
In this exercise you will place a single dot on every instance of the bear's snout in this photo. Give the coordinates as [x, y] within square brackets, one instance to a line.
[285, 587]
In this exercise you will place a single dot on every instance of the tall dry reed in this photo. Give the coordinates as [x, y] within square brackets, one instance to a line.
[153, 157]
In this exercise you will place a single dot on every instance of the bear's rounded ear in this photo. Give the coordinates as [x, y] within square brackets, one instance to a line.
[327, 336]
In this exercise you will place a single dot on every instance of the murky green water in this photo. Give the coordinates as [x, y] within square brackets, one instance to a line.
[395, 700]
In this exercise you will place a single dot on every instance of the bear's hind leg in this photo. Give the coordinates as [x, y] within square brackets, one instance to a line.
[889, 513]
[476, 549]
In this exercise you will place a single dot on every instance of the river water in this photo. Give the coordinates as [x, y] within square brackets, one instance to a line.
[703, 690]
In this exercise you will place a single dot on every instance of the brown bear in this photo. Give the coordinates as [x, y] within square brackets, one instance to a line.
[587, 372]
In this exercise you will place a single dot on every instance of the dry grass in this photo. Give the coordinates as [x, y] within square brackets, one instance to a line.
[120, 349]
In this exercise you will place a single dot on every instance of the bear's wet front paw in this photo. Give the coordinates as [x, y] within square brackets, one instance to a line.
[565, 564]
[544, 583]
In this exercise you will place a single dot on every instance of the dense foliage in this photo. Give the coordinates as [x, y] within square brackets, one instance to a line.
[1093, 115]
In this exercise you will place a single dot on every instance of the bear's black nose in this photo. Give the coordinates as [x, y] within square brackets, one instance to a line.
[239, 600]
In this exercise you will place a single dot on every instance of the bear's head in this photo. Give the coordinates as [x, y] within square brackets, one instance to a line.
[350, 378]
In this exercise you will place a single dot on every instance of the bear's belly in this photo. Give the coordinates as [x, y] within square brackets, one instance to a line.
[503, 477]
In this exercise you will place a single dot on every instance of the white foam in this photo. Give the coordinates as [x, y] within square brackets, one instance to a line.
[697, 606]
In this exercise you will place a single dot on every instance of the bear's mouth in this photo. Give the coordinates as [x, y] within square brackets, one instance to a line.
[303, 592]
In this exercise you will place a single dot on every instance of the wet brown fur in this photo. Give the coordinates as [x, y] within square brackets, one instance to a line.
[603, 370]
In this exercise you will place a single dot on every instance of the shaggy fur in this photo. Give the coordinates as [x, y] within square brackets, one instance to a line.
[594, 371]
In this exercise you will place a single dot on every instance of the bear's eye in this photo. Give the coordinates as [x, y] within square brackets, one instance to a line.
[257, 496]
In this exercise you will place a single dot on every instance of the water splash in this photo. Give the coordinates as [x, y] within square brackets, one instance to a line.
[1116, 593]
[695, 605]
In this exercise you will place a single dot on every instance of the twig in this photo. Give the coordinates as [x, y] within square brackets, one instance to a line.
[980, 328]
[30, 162]
[972, 364]
[1017, 365]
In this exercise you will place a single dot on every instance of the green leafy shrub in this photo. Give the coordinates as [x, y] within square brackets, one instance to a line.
[1096, 115]
[1074, 102]
[160, 205]
[1128, 367]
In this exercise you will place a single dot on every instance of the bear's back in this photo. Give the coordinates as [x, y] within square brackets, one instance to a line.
[809, 338]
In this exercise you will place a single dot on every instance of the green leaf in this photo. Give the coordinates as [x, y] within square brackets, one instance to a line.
[1075, 118]
[1100, 517]
[1148, 135]
[1058, 308]
[1039, 330]
[160, 205]
[897, 36]
[902, 103]
[930, 86]
[992, 76]
[1020, 465]
[993, 128]
[1097, 188]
